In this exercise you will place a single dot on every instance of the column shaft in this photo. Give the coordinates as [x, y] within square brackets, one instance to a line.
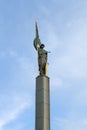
[42, 121]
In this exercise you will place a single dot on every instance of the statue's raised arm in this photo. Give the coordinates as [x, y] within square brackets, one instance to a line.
[42, 54]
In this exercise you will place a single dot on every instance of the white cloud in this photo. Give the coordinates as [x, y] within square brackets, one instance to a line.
[81, 97]
[69, 124]
[16, 105]
[72, 60]
[56, 83]
[15, 97]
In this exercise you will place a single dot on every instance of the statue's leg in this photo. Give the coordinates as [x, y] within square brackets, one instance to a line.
[40, 69]
[43, 69]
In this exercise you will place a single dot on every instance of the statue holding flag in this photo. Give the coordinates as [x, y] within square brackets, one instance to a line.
[42, 54]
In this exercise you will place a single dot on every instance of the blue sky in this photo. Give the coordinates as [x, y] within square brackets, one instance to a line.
[63, 30]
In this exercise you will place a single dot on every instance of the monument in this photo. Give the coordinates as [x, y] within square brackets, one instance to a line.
[42, 114]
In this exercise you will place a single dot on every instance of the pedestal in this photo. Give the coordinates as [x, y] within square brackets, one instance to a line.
[42, 121]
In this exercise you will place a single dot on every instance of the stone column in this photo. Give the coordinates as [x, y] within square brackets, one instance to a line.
[42, 121]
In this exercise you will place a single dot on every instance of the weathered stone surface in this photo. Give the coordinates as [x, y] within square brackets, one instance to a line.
[42, 121]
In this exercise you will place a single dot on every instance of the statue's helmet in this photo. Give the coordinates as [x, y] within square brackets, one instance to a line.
[42, 46]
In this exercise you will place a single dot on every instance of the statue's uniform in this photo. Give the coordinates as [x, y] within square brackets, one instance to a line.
[42, 60]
